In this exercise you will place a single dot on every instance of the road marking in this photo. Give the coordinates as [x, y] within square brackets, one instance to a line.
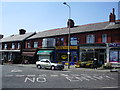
[8, 75]
[91, 78]
[16, 70]
[31, 75]
[64, 75]
[108, 77]
[99, 77]
[35, 79]
[20, 75]
[42, 75]
[72, 79]
[75, 75]
[54, 75]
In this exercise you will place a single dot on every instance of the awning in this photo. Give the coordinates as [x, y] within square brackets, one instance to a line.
[28, 54]
[44, 52]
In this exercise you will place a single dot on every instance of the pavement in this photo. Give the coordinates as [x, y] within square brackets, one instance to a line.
[72, 67]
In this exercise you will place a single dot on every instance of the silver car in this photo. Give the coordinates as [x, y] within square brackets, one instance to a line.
[47, 64]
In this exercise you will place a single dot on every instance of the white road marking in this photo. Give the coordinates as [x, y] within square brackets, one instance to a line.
[72, 79]
[42, 75]
[31, 75]
[90, 77]
[54, 75]
[64, 75]
[99, 77]
[75, 75]
[20, 75]
[8, 75]
[40, 79]
[35, 79]
[16, 70]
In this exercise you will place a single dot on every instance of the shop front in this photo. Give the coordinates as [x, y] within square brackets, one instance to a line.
[46, 54]
[62, 56]
[90, 51]
[114, 49]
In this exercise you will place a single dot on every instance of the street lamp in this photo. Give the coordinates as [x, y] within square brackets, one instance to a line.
[68, 34]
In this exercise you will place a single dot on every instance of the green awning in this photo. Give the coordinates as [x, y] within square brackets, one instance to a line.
[44, 52]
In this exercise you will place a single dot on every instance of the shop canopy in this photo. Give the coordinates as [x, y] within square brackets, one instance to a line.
[44, 52]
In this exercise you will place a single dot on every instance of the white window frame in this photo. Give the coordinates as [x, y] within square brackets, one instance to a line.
[104, 38]
[35, 44]
[90, 38]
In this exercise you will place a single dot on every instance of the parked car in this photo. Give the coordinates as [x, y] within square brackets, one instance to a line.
[84, 64]
[47, 64]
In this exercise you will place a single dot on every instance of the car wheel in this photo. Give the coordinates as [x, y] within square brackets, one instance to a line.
[38, 66]
[52, 67]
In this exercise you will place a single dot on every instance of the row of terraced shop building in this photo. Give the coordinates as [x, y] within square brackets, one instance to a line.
[97, 40]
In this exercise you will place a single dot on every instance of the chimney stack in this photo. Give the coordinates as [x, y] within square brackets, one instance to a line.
[112, 16]
[22, 31]
[70, 23]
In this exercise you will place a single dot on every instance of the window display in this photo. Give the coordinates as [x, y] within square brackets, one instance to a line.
[113, 56]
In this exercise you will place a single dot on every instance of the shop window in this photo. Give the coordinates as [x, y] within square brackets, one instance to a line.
[114, 56]
[90, 39]
[35, 44]
[104, 38]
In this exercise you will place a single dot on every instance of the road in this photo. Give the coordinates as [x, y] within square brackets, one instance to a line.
[15, 76]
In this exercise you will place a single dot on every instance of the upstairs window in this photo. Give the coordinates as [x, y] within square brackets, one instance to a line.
[28, 44]
[13, 45]
[5, 46]
[104, 38]
[90, 39]
[35, 44]
[18, 45]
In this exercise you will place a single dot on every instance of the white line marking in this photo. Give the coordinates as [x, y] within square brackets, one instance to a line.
[75, 75]
[16, 70]
[43, 75]
[108, 77]
[8, 75]
[31, 75]
[64, 75]
[54, 75]
[72, 79]
[20, 75]
[91, 78]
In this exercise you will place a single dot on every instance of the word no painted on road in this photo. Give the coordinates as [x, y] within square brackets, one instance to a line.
[35, 79]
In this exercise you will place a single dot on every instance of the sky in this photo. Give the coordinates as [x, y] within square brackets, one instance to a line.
[41, 16]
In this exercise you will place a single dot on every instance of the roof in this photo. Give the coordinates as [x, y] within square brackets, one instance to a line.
[77, 29]
[17, 37]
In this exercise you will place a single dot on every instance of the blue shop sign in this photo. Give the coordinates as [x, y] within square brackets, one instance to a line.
[114, 44]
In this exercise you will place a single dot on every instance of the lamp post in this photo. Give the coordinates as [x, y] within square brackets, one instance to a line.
[68, 34]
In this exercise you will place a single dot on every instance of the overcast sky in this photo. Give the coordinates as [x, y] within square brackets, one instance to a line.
[41, 16]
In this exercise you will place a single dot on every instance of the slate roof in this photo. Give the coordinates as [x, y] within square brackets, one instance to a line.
[17, 37]
[77, 29]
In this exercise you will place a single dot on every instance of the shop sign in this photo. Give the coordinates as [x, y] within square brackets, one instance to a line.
[114, 44]
[66, 47]
[40, 52]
